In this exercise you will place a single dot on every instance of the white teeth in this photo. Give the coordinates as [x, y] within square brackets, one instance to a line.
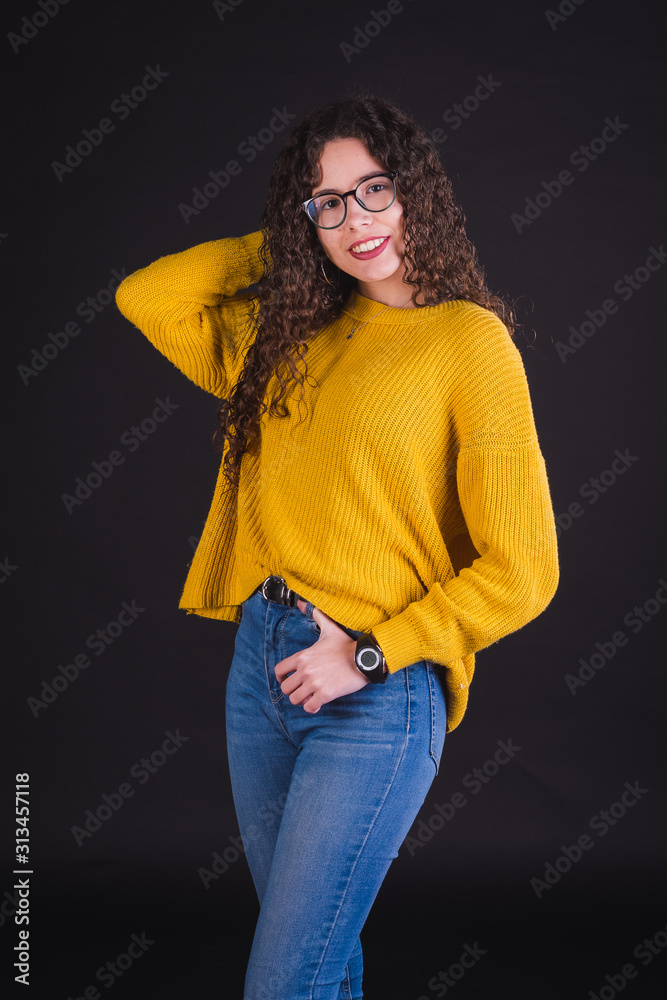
[371, 245]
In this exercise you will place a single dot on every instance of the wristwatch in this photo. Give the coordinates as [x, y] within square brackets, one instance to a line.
[369, 659]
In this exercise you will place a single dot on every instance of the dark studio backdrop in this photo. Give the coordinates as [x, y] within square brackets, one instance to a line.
[543, 863]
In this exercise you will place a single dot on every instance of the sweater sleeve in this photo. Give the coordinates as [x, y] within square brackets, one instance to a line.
[187, 306]
[505, 499]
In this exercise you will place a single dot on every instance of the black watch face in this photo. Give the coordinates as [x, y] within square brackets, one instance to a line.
[368, 659]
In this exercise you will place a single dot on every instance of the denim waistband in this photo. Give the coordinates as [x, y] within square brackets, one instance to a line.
[353, 633]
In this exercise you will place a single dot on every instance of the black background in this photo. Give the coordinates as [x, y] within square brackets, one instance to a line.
[133, 537]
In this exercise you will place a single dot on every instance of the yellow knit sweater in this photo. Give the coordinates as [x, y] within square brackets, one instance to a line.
[406, 496]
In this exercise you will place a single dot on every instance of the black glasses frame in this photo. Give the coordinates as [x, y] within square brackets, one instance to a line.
[392, 174]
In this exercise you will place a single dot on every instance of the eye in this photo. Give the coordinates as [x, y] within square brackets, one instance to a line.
[376, 187]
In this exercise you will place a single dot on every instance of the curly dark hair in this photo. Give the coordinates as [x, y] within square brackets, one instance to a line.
[294, 301]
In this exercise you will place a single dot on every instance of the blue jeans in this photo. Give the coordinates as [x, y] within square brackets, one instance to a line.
[323, 802]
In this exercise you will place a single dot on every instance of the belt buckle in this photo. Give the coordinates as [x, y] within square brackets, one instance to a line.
[272, 581]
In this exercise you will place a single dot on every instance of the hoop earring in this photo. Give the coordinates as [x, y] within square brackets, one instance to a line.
[334, 284]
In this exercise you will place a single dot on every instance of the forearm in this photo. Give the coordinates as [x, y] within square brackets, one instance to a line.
[185, 305]
[508, 510]
[180, 284]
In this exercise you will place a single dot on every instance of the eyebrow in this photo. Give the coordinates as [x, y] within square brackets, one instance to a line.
[373, 173]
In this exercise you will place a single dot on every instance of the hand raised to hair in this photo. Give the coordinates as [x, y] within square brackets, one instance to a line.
[324, 671]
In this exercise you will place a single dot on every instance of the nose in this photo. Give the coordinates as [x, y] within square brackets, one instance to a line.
[356, 214]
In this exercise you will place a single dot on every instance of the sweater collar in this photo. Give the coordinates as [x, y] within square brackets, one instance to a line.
[366, 310]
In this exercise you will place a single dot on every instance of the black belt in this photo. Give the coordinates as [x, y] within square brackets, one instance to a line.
[275, 589]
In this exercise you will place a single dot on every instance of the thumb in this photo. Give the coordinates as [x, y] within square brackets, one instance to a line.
[328, 624]
[322, 619]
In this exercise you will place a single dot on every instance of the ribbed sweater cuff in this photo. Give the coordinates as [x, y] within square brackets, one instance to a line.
[398, 641]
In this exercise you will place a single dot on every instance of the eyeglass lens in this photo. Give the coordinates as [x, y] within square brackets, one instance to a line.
[375, 194]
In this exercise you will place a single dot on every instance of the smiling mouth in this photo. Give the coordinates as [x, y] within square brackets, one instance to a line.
[365, 249]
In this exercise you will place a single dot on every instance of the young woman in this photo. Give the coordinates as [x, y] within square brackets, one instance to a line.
[382, 512]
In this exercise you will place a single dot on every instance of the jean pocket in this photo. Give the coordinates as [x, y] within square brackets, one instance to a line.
[438, 714]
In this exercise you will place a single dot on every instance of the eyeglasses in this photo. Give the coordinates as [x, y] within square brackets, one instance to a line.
[328, 211]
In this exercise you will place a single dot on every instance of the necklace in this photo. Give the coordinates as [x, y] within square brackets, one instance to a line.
[353, 328]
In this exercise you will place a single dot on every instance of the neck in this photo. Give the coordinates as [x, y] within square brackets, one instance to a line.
[397, 294]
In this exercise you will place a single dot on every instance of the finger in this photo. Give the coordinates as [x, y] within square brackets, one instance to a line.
[320, 617]
[283, 668]
[310, 704]
[290, 685]
[297, 688]
[328, 625]
[300, 695]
